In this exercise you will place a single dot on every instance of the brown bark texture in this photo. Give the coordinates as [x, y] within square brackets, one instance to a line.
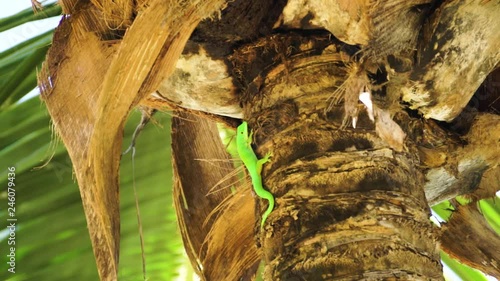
[348, 205]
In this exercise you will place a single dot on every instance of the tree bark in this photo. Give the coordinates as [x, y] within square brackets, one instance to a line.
[349, 207]
[459, 47]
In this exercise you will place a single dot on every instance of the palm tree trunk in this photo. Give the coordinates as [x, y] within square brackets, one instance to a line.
[349, 207]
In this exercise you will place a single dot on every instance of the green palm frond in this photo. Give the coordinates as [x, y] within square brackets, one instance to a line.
[27, 15]
[461, 271]
[491, 211]
[18, 64]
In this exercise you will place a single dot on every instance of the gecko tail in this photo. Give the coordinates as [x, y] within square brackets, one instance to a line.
[267, 212]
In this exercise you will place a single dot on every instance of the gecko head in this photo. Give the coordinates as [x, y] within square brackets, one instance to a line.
[242, 129]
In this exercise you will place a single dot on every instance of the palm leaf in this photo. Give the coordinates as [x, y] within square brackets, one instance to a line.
[27, 15]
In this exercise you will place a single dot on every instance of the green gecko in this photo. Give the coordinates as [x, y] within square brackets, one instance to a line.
[254, 166]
